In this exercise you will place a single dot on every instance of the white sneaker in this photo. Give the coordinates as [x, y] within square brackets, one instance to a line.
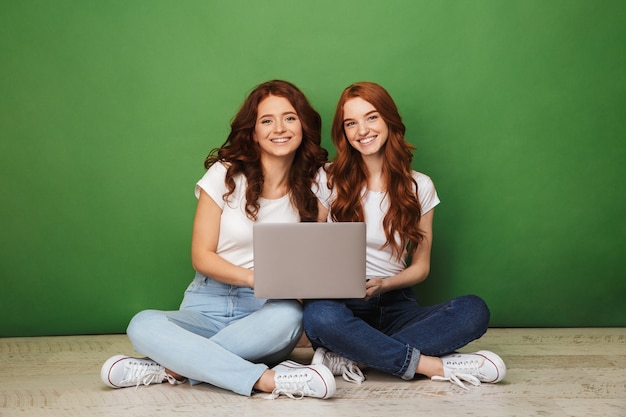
[481, 366]
[338, 365]
[121, 371]
[286, 365]
[297, 381]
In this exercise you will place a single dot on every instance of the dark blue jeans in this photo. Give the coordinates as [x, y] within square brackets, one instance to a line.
[389, 332]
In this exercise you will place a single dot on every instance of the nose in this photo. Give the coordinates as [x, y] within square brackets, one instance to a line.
[362, 129]
[279, 126]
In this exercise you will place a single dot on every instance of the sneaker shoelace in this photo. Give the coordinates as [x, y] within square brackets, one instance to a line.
[467, 373]
[458, 378]
[146, 374]
[339, 365]
[293, 385]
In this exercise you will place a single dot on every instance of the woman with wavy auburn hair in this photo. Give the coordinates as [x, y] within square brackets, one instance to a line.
[371, 181]
[222, 334]
[244, 158]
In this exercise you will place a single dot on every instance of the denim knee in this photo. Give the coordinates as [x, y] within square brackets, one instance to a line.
[321, 316]
[140, 325]
[287, 312]
[477, 313]
[285, 315]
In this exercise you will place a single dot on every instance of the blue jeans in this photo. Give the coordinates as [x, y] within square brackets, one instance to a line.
[222, 334]
[389, 332]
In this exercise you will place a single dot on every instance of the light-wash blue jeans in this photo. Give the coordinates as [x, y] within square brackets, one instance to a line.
[221, 335]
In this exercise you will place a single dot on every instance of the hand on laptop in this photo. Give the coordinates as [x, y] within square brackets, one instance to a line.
[373, 286]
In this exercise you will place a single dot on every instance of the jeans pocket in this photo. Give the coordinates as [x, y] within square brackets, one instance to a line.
[197, 284]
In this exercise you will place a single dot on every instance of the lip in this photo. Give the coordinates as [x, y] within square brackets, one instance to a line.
[367, 140]
[280, 140]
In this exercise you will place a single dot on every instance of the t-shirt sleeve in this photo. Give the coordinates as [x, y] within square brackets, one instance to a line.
[426, 192]
[320, 188]
[213, 183]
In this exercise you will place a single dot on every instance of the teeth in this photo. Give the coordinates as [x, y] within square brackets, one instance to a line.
[280, 140]
[367, 140]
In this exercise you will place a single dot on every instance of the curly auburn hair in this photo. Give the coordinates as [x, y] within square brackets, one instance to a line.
[348, 173]
[242, 154]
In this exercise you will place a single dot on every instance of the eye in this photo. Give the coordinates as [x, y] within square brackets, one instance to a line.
[349, 124]
[373, 117]
[291, 118]
[266, 121]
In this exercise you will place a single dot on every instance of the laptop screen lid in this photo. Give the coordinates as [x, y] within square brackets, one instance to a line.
[309, 260]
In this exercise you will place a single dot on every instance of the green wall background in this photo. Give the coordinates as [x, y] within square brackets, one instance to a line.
[108, 108]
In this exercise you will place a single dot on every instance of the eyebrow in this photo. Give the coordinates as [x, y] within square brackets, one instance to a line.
[366, 114]
[283, 114]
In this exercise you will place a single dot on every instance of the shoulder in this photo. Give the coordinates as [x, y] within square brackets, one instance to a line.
[422, 180]
[219, 168]
[217, 171]
[426, 191]
[320, 185]
[213, 180]
[322, 174]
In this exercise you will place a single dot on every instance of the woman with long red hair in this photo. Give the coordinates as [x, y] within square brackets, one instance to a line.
[371, 180]
[222, 334]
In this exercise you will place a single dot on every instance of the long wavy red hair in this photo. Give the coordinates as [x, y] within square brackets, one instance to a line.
[243, 155]
[348, 173]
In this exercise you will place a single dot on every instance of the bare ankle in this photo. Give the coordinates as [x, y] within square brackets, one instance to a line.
[175, 375]
[429, 366]
[266, 382]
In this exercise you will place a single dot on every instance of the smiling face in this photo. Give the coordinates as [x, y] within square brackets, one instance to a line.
[364, 127]
[278, 129]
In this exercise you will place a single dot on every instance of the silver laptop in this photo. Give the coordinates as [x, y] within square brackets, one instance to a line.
[309, 260]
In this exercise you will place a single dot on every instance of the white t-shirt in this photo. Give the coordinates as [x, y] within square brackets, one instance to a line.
[381, 262]
[235, 239]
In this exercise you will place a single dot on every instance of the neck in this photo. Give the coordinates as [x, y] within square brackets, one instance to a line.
[375, 178]
[275, 177]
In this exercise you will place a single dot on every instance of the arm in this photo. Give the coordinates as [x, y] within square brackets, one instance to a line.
[322, 212]
[416, 272]
[206, 230]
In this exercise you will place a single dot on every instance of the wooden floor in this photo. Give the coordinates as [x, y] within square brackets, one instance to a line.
[551, 372]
